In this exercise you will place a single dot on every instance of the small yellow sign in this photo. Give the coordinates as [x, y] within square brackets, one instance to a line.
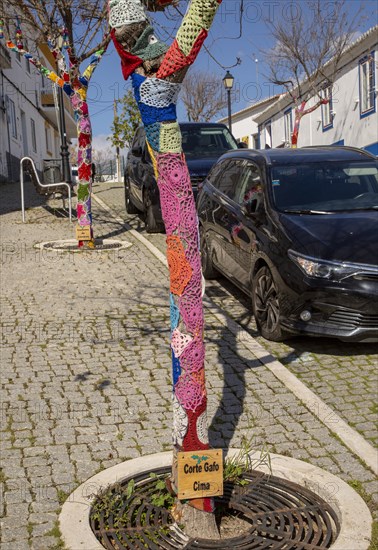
[200, 474]
[83, 233]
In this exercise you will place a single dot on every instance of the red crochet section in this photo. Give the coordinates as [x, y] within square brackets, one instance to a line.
[84, 140]
[180, 271]
[174, 59]
[191, 440]
[197, 46]
[84, 172]
[129, 62]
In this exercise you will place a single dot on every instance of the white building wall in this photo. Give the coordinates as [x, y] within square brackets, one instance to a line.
[23, 88]
[348, 126]
[244, 128]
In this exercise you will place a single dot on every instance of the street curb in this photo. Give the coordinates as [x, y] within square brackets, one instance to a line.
[353, 514]
[349, 436]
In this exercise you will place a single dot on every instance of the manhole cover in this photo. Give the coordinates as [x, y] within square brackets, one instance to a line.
[70, 245]
[273, 514]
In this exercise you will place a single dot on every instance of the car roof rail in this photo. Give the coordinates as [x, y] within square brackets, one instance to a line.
[343, 147]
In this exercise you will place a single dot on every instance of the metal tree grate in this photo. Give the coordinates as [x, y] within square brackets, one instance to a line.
[71, 246]
[278, 514]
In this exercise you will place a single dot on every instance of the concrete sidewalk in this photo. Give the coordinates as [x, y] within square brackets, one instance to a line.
[86, 374]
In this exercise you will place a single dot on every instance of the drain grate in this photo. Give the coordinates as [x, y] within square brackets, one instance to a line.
[279, 514]
[70, 245]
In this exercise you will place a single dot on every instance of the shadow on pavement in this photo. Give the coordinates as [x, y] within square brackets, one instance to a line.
[231, 405]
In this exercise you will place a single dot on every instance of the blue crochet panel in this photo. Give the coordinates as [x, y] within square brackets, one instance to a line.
[151, 115]
[174, 311]
[153, 137]
[176, 368]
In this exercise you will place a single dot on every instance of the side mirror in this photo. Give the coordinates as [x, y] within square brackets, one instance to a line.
[242, 145]
[137, 151]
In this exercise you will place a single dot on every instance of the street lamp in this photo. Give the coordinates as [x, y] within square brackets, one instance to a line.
[63, 139]
[64, 153]
[228, 82]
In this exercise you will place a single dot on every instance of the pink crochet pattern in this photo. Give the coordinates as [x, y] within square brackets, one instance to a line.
[179, 341]
[156, 99]
[189, 392]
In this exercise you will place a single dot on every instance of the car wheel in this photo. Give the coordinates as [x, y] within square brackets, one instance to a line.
[152, 226]
[208, 270]
[130, 207]
[266, 306]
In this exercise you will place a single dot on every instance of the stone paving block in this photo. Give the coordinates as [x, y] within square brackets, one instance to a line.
[94, 394]
[17, 545]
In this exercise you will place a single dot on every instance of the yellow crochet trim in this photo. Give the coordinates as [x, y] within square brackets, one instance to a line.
[83, 93]
[170, 138]
[154, 163]
[205, 11]
[188, 32]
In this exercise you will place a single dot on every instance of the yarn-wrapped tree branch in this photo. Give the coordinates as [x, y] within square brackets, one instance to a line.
[156, 72]
[53, 24]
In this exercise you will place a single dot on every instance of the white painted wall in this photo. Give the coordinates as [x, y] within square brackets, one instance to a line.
[23, 88]
[243, 125]
[348, 125]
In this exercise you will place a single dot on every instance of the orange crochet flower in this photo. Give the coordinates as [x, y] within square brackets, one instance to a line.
[180, 270]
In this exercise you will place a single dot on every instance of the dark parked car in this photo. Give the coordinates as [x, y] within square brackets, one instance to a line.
[203, 144]
[297, 229]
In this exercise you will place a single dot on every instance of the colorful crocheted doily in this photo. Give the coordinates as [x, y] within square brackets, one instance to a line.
[179, 267]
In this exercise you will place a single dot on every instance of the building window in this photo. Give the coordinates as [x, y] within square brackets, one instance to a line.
[268, 135]
[327, 116]
[288, 125]
[367, 85]
[12, 117]
[33, 135]
[48, 139]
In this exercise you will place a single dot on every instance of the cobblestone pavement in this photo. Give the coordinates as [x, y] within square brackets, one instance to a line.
[86, 372]
[339, 372]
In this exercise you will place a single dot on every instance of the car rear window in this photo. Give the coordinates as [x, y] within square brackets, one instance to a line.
[331, 186]
[206, 141]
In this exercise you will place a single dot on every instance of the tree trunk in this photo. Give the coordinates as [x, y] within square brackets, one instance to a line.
[84, 161]
[156, 73]
[298, 116]
[198, 524]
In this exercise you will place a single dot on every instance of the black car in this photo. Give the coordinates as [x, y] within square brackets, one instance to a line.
[297, 230]
[202, 143]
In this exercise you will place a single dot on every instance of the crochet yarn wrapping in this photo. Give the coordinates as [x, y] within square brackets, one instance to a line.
[158, 93]
[156, 99]
[148, 46]
[124, 12]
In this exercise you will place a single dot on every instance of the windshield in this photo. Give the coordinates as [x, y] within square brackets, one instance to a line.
[206, 141]
[325, 187]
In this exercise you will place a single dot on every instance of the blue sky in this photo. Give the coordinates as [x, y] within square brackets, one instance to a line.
[225, 45]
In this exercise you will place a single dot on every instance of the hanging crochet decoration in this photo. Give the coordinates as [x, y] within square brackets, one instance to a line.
[75, 86]
[157, 72]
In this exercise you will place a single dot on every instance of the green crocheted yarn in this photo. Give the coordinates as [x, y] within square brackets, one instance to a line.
[148, 46]
[170, 138]
[188, 33]
[205, 11]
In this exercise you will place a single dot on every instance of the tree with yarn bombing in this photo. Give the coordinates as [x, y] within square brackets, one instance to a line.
[307, 54]
[157, 72]
[74, 30]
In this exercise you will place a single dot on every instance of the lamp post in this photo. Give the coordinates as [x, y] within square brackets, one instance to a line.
[64, 153]
[228, 82]
[63, 139]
